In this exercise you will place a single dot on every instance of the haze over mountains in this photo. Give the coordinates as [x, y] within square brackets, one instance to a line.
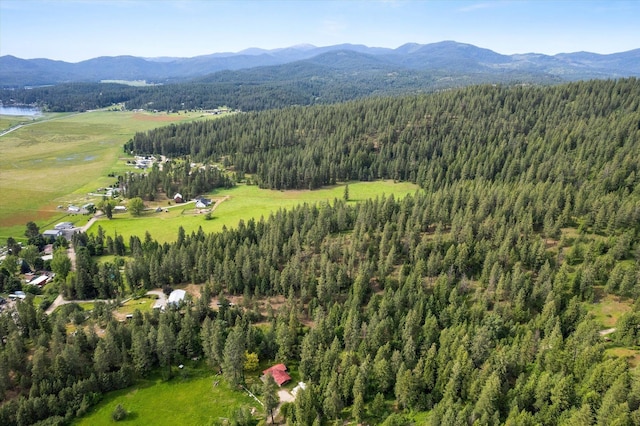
[437, 59]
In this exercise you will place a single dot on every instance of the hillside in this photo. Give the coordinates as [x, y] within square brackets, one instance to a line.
[447, 56]
[471, 302]
[304, 75]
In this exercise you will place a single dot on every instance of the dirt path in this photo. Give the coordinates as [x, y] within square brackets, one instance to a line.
[60, 301]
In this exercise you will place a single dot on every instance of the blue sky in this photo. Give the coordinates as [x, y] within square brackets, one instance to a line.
[75, 30]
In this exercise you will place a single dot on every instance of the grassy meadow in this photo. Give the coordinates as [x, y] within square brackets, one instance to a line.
[240, 203]
[55, 161]
[190, 398]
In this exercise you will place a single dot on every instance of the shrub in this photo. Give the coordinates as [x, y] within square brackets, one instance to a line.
[119, 413]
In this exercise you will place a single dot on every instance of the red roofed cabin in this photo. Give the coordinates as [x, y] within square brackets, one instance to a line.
[279, 374]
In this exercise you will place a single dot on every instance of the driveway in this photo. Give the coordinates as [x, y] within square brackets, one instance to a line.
[162, 298]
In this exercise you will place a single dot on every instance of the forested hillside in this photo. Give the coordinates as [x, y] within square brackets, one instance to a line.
[469, 300]
[570, 134]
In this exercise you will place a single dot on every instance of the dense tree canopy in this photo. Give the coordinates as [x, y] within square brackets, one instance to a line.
[468, 299]
[567, 134]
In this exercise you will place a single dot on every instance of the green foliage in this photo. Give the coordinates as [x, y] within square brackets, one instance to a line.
[270, 395]
[136, 206]
[457, 300]
[119, 413]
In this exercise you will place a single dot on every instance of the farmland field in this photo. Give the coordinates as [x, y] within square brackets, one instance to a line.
[57, 161]
[240, 203]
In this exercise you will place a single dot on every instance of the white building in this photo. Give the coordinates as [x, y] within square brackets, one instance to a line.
[176, 297]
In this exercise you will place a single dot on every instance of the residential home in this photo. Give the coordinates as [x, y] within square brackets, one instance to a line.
[279, 374]
[52, 233]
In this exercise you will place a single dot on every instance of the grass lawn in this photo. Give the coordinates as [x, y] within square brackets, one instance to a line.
[87, 306]
[143, 304]
[608, 309]
[241, 203]
[56, 161]
[632, 355]
[190, 398]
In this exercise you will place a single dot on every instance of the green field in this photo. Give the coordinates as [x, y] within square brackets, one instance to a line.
[608, 308]
[60, 159]
[190, 398]
[57, 160]
[143, 304]
[242, 202]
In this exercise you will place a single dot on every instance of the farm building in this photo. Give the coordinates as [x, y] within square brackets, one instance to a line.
[40, 281]
[64, 225]
[178, 198]
[176, 297]
[52, 233]
[279, 374]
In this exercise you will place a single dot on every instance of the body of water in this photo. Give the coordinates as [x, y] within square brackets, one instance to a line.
[19, 110]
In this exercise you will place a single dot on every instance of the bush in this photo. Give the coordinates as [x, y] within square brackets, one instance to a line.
[119, 413]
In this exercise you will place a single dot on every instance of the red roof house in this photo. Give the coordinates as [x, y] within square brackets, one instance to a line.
[279, 374]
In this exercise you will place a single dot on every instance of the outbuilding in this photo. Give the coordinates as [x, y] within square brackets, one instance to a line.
[176, 297]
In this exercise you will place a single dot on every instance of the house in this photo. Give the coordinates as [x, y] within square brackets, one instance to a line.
[40, 281]
[52, 233]
[176, 297]
[48, 249]
[64, 225]
[178, 198]
[202, 202]
[279, 374]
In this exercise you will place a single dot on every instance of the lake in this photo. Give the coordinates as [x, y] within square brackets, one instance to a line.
[19, 110]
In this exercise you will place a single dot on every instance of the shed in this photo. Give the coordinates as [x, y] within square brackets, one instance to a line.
[178, 198]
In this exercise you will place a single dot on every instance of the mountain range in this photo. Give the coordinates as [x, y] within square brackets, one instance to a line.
[442, 59]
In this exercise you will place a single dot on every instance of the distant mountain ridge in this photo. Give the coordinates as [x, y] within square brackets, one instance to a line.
[443, 57]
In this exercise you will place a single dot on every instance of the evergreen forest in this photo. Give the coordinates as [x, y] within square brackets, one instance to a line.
[468, 301]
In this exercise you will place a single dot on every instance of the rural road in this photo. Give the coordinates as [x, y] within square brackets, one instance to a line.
[14, 128]
[162, 301]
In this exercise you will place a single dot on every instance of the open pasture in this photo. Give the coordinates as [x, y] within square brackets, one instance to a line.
[58, 160]
[240, 203]
[190, 398]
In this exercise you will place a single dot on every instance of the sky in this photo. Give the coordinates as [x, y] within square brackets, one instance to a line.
[76, 30]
